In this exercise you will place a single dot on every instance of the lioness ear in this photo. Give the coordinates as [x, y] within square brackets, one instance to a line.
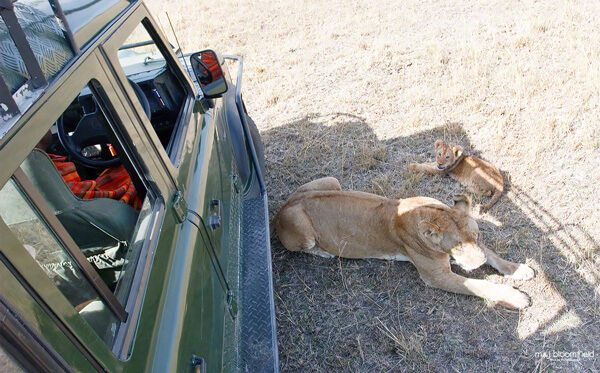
[458, 151]
[430, 232]
[438, 143]
[462, 203]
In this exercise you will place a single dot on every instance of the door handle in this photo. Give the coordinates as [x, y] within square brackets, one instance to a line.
[215, 214]
[198, 364]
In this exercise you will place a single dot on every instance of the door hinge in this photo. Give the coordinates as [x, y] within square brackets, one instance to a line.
[237, 185]
[215, 214]
[231, 304]
[180, 207]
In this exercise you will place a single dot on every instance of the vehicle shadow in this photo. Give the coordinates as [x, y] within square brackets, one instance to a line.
[375, 315]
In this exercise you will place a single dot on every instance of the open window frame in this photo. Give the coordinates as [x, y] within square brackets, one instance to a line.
[171, 155]
[133, 146]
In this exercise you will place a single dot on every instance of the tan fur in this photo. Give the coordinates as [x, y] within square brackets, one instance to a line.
[321, 219]
[477, 175]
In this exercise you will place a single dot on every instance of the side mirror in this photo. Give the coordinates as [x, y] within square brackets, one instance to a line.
[209, 74]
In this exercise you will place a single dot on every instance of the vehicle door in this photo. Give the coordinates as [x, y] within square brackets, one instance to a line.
[45, 276]
[195, 301]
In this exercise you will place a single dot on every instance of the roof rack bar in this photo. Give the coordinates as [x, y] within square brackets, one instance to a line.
[8, 105]
[18, 35]
[64, 25]
[7, 4]
[137, 45]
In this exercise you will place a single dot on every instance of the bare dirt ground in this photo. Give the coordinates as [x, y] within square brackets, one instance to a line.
[358, 90]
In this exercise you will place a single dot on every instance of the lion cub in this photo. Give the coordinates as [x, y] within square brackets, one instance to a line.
[477, 175]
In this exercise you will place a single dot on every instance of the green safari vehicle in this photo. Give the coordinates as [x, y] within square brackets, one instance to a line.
[133, 211]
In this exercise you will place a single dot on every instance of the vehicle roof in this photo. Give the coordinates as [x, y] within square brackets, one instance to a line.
[53, 41]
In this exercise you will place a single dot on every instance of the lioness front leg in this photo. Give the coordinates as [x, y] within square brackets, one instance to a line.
[437, 273]
[430, 168]
[509, 269]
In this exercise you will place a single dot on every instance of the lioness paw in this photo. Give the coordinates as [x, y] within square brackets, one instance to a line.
[321, 253]
[412, 166]
[523, 272]
[513, 298]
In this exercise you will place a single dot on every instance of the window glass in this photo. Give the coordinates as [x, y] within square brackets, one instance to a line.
[138, 51]
[118, 210]
[106, 209]
[143, 63]
[8, 364]
[141, 231]
[48, 252]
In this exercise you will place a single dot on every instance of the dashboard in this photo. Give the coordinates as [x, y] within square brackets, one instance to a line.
[164, 94]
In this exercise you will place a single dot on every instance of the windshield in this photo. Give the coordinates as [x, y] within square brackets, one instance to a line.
[139, 53]
[136, 58]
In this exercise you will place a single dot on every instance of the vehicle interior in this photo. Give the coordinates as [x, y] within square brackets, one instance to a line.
[79, 133]
[146, 67]
[106, 230]
[81, 136]
[109, 233]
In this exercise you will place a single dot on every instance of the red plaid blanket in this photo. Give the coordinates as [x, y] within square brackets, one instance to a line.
[113, 183]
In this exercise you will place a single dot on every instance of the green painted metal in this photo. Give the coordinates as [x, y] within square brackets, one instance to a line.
[39, 320]
[183, 306]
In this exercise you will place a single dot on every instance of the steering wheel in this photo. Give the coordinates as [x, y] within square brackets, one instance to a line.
[90, 131]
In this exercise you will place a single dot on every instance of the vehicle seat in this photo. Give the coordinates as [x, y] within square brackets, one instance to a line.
[94, 224]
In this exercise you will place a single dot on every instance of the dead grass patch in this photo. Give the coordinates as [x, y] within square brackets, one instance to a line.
[358, 90]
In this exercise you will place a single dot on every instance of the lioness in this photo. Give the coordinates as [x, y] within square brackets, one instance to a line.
[477, 175]
[320, 218]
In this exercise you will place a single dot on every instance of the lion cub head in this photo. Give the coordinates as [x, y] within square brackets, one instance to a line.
[446, 155]
[453, 231]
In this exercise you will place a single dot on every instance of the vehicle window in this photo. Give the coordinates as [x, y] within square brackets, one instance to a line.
[8, 364]
[105, 208]
[145, 64]
[42, 245]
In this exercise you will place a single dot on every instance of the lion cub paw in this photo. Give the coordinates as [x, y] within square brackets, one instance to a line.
[523, 272]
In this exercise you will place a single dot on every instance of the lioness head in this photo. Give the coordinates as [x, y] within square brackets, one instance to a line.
[454, 232]
[446, 155]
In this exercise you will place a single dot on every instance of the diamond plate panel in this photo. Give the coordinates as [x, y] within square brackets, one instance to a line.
[47, 42]
[259, 337]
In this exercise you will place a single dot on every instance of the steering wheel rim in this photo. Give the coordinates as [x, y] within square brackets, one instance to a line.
[89, 131]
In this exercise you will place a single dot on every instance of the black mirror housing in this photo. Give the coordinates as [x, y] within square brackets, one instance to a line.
[209, 73]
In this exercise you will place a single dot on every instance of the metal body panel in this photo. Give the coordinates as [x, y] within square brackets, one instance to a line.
[30, 134]
[250, 146]
[193, 299]
[237, 138]
[88, 18]
[180, 307]
[39, 321]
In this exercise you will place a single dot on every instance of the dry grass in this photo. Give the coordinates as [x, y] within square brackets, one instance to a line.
[358, 90]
